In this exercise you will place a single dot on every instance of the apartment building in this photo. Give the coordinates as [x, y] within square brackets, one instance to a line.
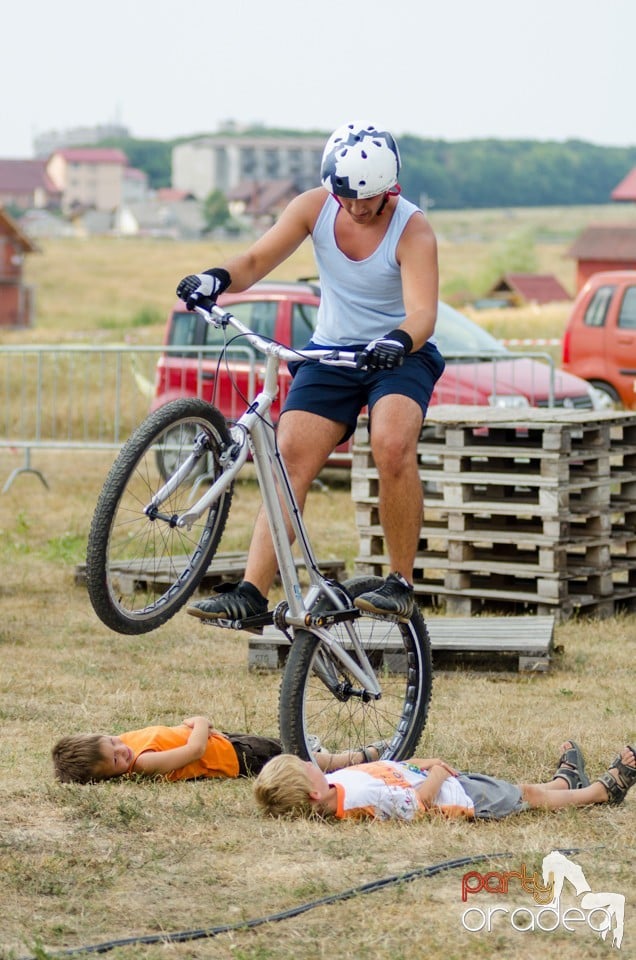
[224, 162]
[89, 177]
[46, 143]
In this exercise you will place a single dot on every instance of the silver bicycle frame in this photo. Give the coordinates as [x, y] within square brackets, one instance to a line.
[254, 431]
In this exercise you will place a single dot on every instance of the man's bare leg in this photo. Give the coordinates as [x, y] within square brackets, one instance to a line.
[396, 423]
[305, 441]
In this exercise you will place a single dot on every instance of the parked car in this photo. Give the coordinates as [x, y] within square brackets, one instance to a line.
[479, 370]
[600, 339]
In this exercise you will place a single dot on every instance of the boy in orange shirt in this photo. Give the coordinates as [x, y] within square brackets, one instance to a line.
[191, 750]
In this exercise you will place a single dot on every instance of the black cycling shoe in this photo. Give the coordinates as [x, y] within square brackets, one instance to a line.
[395, 597]
[233, 601]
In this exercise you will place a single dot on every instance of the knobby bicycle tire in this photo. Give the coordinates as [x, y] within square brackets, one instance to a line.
[342, 719]
[140, 570]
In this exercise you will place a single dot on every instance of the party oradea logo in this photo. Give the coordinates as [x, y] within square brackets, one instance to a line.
[561, 898]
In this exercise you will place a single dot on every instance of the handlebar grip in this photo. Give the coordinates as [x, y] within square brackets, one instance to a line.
[200, 300]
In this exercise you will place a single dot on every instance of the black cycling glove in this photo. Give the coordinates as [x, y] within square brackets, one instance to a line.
[386, 352]
[209, 285]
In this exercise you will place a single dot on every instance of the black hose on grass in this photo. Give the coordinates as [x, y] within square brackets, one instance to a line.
[208, 932]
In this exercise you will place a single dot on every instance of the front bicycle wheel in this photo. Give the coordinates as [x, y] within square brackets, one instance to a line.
[140, 566]
[319, 697]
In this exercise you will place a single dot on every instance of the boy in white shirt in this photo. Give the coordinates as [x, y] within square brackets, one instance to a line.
[388, 789]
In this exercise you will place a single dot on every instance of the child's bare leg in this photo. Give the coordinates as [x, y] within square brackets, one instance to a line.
[336, 761]
[547, 797]
[558, 783]
[550, 798]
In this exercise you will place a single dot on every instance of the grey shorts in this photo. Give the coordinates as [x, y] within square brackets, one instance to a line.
[340, 393]
[494, 799]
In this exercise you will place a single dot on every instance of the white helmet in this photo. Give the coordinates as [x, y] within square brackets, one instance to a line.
[359, 162]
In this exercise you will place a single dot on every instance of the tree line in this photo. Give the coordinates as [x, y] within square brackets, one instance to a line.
[466, 174]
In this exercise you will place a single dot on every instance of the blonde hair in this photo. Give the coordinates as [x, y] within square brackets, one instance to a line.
[282, 787]
[77, 759]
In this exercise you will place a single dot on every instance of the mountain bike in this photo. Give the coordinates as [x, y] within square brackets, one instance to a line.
[351, 678]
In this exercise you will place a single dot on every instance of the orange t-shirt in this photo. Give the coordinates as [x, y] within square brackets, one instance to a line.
[219, 759]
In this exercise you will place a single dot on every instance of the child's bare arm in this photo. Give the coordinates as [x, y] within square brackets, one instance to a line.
[168, 760]
[430, 762]
[190, 721]
[428, 790]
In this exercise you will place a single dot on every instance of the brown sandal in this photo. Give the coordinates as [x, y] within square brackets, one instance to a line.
[617, 784]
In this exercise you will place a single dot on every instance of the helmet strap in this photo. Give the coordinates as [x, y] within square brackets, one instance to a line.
[393, 192]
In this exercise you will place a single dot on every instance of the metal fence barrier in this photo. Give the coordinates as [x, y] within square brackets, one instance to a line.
[93, 397]
[88, 397]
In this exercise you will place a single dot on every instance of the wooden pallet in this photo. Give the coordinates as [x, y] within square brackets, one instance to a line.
[224, 566]
[530, 639]
[534, 511]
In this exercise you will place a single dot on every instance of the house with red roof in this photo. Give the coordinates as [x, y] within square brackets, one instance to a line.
[603, 247]
[16, 299]
[517, 289]
[625, 191]
[89, 177]
[25, 184]
[261, 201]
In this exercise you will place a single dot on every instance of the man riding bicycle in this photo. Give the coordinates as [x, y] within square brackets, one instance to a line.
[377, 260]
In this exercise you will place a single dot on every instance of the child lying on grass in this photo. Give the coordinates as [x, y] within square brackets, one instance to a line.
[388, 789]
[185, 752]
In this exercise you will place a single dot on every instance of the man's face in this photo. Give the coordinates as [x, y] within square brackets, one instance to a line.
[362, 211]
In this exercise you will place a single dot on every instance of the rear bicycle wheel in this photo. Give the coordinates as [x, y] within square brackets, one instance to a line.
[318, 696]
[141, 568]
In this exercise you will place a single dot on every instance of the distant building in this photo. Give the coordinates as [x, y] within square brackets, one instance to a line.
[516, 289]
[603, 247]
[47, 143]
[134, 185]
[16, 299]
[25, 184]
[89, 177]
[625, 191]
[261, 201]
[223, 162]
[180, 220]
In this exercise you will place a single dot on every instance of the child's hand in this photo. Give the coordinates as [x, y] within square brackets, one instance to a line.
[435, 762]
[451, 770]
[190, 722]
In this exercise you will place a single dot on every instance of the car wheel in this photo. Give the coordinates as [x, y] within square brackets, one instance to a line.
[609, 396]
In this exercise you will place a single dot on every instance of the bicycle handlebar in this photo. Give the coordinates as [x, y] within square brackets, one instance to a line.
[219, 317]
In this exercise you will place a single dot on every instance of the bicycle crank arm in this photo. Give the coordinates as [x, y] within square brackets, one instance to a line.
[330, 617]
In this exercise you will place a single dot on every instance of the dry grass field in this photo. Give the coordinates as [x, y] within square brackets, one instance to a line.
[128, 863]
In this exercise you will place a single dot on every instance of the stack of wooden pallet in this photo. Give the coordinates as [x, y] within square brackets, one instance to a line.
[525, 511]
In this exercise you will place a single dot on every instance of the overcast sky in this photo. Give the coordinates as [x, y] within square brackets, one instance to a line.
[450, 69]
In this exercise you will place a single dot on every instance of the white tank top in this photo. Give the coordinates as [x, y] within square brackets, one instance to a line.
[360, 300]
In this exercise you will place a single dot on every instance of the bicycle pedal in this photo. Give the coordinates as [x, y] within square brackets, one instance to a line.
[229, 624]
[250, 624]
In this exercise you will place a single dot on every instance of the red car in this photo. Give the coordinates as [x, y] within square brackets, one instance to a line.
[479, 369]
[600, 339]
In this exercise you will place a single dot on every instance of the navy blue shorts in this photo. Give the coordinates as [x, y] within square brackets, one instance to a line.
[340, 393]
